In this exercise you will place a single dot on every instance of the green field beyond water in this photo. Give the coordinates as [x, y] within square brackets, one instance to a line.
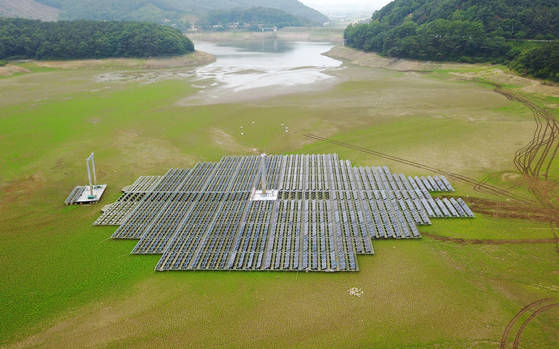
[65, 283]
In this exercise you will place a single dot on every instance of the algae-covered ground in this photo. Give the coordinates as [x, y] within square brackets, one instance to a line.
[65, 283]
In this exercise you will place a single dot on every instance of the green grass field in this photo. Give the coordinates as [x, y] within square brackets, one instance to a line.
[65, 283]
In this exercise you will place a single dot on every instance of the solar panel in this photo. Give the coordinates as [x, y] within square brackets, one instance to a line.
[433, 184]
[327, 212]
[440, 184]
[442, 208]
[450, 208]
[447, 184]
[465, 207]
[427, 184]
[458, 208]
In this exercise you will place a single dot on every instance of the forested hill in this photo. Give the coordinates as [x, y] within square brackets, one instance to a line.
[176, 13]
[497, 31]
[22, 38]
[520, 19]
[252, 19]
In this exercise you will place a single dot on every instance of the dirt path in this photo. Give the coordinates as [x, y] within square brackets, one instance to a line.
[462, 241]
[506, 209]
[555, 231]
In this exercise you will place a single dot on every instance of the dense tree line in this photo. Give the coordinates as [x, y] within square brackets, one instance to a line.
[465, 31]
[252, 18]
[520, 19]
[540, 62]
[88, 39]
[438, 40]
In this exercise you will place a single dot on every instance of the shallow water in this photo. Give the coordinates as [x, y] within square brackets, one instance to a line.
[264, 66]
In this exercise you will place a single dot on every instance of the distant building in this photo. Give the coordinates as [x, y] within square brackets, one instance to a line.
[269, 29]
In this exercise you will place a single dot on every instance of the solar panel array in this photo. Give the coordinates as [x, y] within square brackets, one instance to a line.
[326, 214]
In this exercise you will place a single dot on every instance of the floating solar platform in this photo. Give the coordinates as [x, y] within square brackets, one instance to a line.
[81, 195]
[87, 195]
[315, 213]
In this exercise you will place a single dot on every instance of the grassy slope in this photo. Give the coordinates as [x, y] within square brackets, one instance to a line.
[57, 269]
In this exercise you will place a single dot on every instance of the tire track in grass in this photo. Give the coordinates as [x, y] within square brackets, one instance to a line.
[457, 176]
[512, 322]
[535, 158]
[483, 186]
[528, 320]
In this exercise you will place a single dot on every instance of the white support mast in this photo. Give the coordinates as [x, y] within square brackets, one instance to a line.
[265, 194]
[90, 159]
[93, 165]
[87, 194]
[263, 172]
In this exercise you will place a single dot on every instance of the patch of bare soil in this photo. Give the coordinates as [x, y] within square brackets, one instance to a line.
[194, 59]
[10, 69]
[511, 177]
[16, 190]
[462, 241]
[502, 77]
[512, 209]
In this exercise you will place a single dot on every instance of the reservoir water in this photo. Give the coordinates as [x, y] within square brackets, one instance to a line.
[245, 69]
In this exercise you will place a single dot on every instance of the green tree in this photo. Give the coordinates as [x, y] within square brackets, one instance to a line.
[88, 39]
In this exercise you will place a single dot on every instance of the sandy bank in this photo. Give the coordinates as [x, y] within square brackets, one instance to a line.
[195, 59]
[459, 71]
[373, 60]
